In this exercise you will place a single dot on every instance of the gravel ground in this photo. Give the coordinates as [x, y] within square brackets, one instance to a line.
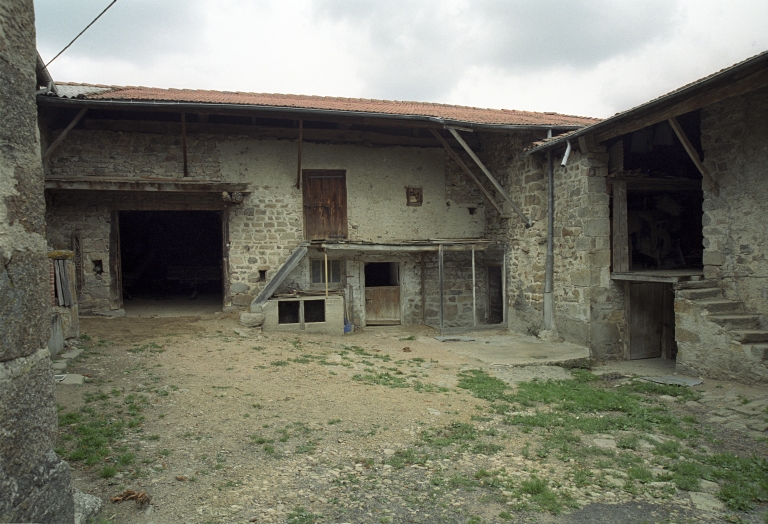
[241, 426]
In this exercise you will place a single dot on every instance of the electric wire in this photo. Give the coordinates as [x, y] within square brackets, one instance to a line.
[80, 33]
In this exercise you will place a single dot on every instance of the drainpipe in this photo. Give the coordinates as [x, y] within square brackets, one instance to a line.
[549, 268]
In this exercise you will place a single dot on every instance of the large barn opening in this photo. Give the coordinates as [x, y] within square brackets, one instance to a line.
[171, 260]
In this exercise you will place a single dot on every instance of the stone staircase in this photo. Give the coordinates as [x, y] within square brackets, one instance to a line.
[719, 337]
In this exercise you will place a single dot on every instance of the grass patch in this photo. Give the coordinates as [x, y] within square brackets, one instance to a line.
[381, 379]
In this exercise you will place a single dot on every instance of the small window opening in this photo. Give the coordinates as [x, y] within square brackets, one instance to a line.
[288, 312]
[98, 267]
[413, 196]
[472, 210]
[262, 275]
[318, 271]
[314, 311]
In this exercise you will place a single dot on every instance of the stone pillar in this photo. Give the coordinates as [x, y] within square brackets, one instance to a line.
[34, 481]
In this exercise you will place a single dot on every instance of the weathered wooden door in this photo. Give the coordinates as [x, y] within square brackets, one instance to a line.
[646, 320]
[325, 204]
[382, 305]
[495, 296]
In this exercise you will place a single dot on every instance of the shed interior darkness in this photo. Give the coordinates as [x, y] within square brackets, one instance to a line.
[168, 254]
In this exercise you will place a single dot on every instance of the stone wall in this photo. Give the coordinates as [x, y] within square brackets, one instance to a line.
[734, 137]
[588, 306]
[34, 481]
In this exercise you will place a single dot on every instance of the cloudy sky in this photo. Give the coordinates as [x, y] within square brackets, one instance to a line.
[583, 57]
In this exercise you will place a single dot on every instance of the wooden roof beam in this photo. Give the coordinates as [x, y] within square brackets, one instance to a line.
[63, 135]
[745, 85]
[694, 155]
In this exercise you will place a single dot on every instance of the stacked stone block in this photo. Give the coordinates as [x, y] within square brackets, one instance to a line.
[34, 481]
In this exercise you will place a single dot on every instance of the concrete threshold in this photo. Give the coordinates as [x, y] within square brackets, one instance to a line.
[504, 349]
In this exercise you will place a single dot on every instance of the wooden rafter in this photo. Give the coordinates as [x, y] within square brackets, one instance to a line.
[63, 135]
[745, 85]
[488, 174]
[694, 155]
[466, 170]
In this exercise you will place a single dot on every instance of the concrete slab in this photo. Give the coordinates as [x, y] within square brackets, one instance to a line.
[72, 353]
[673, 381]
[59, 365]
[511, 349]
[71, 379]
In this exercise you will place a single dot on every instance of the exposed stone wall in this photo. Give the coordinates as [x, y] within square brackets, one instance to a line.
[115, 153]
[734, 138]
[34, 481]
[588, 306]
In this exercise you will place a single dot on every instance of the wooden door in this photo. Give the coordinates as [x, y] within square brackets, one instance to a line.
[495, 296]
[325, 204]
[646, 319]
[382, 305]
[115, 263]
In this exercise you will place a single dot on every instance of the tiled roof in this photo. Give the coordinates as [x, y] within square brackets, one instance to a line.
[353, 105]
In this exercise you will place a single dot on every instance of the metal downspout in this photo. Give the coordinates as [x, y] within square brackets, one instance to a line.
[549, 268]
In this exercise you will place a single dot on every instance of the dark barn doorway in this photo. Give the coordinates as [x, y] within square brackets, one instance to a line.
[171, 254]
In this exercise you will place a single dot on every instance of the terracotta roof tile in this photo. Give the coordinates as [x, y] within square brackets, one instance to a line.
[383, 107]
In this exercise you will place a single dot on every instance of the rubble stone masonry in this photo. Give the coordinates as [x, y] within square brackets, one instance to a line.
[34, 481]
[734, 138]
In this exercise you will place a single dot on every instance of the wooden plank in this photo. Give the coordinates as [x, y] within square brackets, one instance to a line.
[440, 278]
[627, 323]
[670, 276]
[115, 268]
[63, 134]
[382, 305]
[64, 280]
[57, 283]
[338, 136]
[656, 184]
[620, 228]
[143, 184]
[694, 155]
[467, 171]
[184, 142]
[301, 136]
[488, 174]
[325, 204]
[423, 290]
[289, 265]
[474, 297]
[646, 321]
[676, 108]
[225, 283]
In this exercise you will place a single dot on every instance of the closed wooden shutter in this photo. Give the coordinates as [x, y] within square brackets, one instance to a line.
[325, 204]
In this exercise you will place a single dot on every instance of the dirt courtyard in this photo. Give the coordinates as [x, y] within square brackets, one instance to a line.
[218, 423]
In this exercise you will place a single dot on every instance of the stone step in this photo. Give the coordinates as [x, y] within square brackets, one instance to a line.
[757, 351]
[737, 320]
[700, 294]
[721, 306]
[751, 335]
[696, 284]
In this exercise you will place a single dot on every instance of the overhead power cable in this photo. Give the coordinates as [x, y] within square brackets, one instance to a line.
[81, 32]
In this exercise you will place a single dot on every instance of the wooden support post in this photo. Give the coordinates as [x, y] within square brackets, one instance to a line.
[474, 298]
[493, 180]
[694, 155]
[466, 170]
[225, 290]
[62, 136]
[301, 136]
[423, 291]
[326, 273]
[440, 276]
[184, 142]
[620, 228]
[115, 270]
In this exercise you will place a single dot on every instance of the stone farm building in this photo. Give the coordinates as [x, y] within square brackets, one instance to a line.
[321, 212]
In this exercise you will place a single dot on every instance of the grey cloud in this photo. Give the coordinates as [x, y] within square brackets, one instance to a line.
[138, 31]
[419, 50]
